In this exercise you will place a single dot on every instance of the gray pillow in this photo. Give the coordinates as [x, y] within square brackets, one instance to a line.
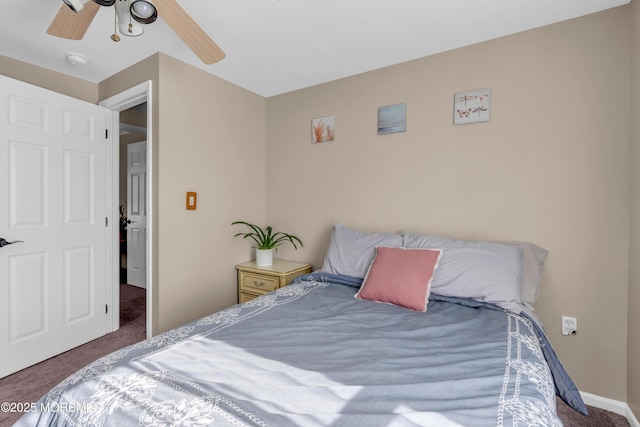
[533, 257]
[484, 271]
[351, 252]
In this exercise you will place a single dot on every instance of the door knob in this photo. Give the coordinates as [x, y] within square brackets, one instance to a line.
[4, 242]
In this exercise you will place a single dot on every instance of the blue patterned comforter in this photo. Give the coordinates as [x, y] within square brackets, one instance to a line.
[311, 354]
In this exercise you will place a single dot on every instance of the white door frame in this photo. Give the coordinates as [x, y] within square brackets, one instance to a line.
[129, 98]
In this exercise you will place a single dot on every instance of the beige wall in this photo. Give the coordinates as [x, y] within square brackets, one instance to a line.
[48, 79]
[212, 142]
[633, 335]
[208, 137]
[550, 167]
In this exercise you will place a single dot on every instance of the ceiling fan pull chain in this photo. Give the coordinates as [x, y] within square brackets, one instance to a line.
[130, 23]
[115, 37]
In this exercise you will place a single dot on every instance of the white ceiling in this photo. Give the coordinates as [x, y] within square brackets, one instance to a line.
[276, 46]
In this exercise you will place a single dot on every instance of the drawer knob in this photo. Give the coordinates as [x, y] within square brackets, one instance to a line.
[258, 283]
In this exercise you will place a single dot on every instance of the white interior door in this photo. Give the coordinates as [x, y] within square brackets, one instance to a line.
[53, 196]
[137, 214]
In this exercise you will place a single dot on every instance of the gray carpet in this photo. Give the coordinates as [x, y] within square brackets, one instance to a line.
[31, 383]
[597, 417]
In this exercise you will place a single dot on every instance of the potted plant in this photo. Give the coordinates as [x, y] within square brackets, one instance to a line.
[266, 241]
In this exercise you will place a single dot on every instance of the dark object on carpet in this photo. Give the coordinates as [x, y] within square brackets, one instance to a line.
[30, 384]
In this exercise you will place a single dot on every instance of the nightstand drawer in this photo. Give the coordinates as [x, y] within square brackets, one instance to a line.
[244, 297]
[255, 280]
[258, 282]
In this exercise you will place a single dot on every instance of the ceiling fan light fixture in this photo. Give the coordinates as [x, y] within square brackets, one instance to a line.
[143, 11]
[126, 24]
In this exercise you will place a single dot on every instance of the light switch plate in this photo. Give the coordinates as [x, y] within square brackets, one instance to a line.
[192, 200]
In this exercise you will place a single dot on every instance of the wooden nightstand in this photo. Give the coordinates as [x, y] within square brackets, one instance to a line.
[254, 281]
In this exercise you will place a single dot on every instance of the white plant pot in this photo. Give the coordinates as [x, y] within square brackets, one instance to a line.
[264, 257]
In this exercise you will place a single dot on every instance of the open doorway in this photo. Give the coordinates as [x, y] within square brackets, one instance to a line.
[133, 212]
[135, 98]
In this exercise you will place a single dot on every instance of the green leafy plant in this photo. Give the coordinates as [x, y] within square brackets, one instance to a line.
[267, 239]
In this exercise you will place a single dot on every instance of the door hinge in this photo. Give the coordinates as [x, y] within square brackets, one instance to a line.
[106, 221]
[106, 309]
[106, 134]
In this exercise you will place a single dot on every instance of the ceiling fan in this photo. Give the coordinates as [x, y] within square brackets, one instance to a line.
[75, 16]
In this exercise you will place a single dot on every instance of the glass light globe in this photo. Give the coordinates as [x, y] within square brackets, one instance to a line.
[143, 9]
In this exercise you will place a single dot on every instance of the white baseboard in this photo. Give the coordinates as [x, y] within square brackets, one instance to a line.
[615, 406]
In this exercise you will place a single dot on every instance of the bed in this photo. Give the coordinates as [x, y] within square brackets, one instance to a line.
[331, 349]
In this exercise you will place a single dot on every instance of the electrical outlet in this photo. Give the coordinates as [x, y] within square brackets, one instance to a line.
[569, 325]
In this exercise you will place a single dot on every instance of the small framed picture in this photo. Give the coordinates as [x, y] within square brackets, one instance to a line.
[392, 119]
[322, 129]
[471, 106]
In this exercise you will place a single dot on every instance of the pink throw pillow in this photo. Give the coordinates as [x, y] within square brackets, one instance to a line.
[400, 276]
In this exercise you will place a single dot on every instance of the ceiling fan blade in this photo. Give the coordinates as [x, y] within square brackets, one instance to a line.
[189, 31]
[71, 25]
